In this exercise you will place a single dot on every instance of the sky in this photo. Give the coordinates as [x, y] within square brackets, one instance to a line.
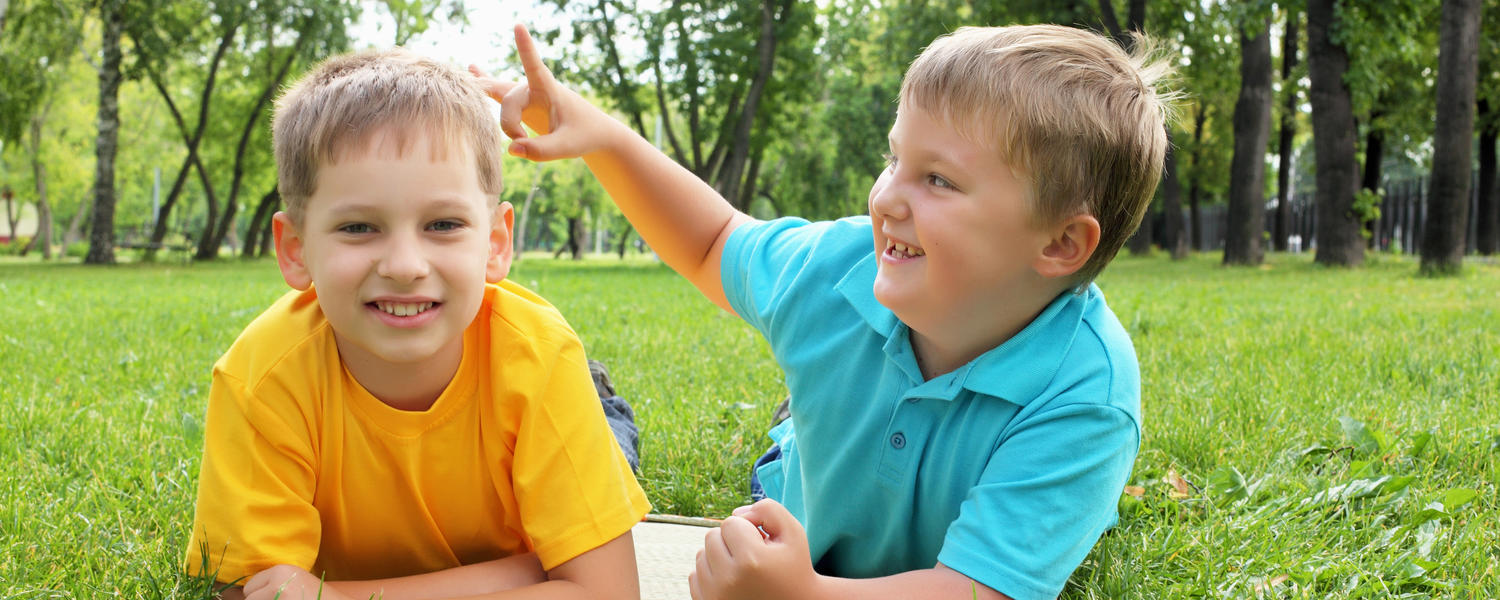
[485, 41]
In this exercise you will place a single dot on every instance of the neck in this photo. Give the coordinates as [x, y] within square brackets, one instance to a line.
[413, 386]
[950, 341]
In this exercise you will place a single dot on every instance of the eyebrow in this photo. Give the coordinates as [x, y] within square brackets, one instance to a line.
[440, 203]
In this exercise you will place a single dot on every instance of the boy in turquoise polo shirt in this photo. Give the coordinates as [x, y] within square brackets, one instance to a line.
[965, 408]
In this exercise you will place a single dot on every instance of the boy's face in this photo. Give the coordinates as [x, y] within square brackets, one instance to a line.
[952, 228]
[399, 249]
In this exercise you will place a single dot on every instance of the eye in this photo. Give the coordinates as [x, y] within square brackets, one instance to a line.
[356, 228]
[936, 180]
[445, 225]
[890, 160]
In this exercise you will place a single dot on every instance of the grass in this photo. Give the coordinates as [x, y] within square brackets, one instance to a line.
[1309, 433]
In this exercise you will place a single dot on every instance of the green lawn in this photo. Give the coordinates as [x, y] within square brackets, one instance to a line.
[1309, 432]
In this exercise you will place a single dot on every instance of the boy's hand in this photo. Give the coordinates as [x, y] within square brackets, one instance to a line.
[739, 561]
[286, 582]
[568, 124]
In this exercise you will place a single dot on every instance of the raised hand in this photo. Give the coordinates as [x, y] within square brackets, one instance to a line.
[568, 126]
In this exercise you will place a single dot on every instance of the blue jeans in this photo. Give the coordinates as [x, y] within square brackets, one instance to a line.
[758, 493]
[621, 420]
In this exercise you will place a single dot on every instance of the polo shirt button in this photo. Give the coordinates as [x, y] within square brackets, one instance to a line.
[898, 441]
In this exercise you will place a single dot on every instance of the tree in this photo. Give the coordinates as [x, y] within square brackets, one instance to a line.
[1448, 198]
[713, 70]
[37, 50]
[1252, 128]
[102, 228]
[162, 38]
[1487, 229]
[1338, 231]
[1389, 46]
[1282, 221]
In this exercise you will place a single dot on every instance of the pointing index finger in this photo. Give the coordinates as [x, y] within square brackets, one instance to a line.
[537, 75]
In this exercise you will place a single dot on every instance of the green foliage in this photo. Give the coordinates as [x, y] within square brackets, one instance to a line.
[1367, 206]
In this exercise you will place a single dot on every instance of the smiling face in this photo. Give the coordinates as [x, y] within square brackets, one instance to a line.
[954, 234]
[398, 246]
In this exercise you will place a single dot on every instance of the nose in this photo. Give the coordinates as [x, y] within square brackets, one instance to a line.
[403, 260]
[888, 198]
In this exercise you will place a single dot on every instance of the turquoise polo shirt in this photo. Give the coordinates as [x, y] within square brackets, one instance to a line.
[1006, 469]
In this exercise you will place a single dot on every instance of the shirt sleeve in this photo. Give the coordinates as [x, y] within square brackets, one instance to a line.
[573, 486]
[254, 508]
[1046, 495]
[766, 262]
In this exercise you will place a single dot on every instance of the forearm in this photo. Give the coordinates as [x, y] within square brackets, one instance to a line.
[474, 580]
[683, 219]
[939, 583]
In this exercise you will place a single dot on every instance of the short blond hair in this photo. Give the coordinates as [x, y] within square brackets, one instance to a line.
[1078, 118]
[339, 106]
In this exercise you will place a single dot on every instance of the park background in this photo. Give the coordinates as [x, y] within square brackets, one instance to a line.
[1314, 295]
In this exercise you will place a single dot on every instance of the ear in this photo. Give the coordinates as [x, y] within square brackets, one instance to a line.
[1072, 245]
[501, 252]
[289, 252]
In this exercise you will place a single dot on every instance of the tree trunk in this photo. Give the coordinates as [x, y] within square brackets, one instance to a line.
[264, 212]
[731, 177]
[518, 237]
[1488, 230]
[214, 237]
[1337, 234]
[1282, 223]
[12, 216]
[102, 230]
[191, 140]
[39, 175]
[1374, 157]
[75, 225]
[1195, 224]
[624, 238]
[1448, 198]
[1247, 171]
[1171, 199]
[574, 245]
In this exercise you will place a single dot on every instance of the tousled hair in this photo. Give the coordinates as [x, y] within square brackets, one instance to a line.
[1078, 118]
[340, 106]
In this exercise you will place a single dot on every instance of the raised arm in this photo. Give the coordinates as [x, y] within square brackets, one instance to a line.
[683, 219]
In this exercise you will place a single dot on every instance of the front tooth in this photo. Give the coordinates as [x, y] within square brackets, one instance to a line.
[900, 247]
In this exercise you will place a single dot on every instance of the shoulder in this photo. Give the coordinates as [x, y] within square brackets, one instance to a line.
[1102, 357]
[524, 326]
[519, 311]
[290, 335]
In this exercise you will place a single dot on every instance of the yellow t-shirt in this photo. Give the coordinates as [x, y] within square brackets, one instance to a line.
[301, 465]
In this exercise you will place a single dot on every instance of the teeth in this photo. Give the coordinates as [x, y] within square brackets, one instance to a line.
[403, 309]
[908, 250]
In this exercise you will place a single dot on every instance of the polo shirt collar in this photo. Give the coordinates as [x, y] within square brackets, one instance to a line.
[1016, 371]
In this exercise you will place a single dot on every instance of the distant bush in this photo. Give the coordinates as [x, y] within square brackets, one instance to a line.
[77, 249]
[14, 246]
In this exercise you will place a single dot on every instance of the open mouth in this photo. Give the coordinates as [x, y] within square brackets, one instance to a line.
[402, 309]
[900, 250]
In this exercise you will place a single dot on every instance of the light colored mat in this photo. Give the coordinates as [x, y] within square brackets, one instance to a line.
[665, 553]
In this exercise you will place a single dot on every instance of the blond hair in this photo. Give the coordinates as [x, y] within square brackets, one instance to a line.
[339, 106]
[1078, 118]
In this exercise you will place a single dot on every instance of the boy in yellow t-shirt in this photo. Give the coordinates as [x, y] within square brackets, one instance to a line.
[405, 422]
